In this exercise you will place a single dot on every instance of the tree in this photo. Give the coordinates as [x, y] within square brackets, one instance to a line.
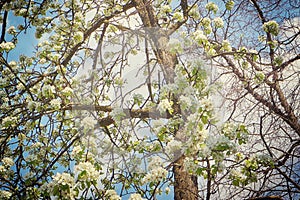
[263, 91]
[116, 100]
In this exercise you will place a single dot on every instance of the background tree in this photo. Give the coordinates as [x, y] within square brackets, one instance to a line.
[263, 87]
[116, 98]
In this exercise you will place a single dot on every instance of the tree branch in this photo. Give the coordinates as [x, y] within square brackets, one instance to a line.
[91, 30]
[129, 113]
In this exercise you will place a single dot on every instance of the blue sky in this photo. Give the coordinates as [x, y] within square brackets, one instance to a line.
[26, 40]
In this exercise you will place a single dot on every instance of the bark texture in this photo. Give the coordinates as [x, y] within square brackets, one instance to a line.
[185, 187]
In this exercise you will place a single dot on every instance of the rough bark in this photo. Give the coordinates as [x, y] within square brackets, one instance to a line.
[185, 187]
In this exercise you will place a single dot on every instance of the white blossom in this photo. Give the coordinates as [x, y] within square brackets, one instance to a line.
[48, 90]
[206, 105]
[190, 165]
[3, 81]
[155, 175]
[229, 5]
[135, 196]
[2, 169]
[185, 102]
[78, 36]
[64, 182]
[13, 64]
[157, 125]
[174, 146]
[119, 81]
[226, 46]
[271, 27]
[55, 103]
[88, 123]
[5, 194]
[117, 114]
[229, 130]
[199, 37]
[12, 30]
[8, 162]
[112, 195]
[31, 105]
[67, 91]
[22, 12]
[86, 171]
[155, 162]
[218, 22]
[211, 52]
[7, 121]
[166, 9]
[205, 150]
[167, 190]
[236, 173]
[76, 151]
[205, 22]
[253, 51]
[194, 12]
[42, 61]
[164, 105]
[63, 179]
[178, 16]
[207, 30]
[7, 46]
[212, 7]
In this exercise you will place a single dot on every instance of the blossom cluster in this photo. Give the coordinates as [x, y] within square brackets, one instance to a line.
[62, 185]
[55, 103]
[174, 46]
[135, 196]
[86, 172]
[48, 91]
[173, 147]
[155, 175]
[165, 105]
[210, 6]
[112, 195]
[194, 12]
[117, 114]
[5, 194]
[155, 162]
[12, 30]
[88, 123]
[156, 171]
[7, 46]
[178, 16]
[218, 22]
[229, 5]
[200, 37]
[8, 162]
[226, 47]
[271, 27]
[205, 22]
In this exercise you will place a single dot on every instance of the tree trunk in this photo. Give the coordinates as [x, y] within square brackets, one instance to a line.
[185, 186]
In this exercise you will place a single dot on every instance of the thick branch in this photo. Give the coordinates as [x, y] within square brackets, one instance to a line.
[129, 113]
[2, 39]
